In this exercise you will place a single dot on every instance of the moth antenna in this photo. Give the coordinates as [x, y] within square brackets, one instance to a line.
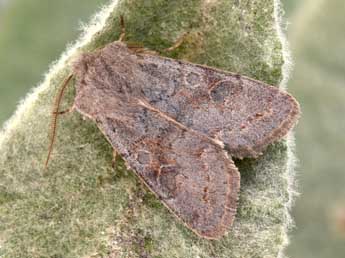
[55, 114]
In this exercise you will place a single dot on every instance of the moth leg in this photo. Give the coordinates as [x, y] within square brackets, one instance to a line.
[113, 162]
[177, 43]
[134, 45]
[123, 29]
[70, 110]
[145, 51]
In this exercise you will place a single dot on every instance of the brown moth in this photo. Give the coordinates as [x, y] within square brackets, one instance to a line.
[178, 125]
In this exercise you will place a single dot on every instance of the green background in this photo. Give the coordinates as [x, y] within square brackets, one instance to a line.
[34, 32]
[317, 39]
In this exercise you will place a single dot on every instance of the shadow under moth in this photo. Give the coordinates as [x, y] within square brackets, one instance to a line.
[178, 125]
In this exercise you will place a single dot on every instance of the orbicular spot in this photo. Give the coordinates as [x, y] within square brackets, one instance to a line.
[144, 157]
[193, 79]
[224, 89]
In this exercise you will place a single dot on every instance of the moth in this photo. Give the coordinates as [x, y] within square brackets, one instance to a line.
[178, 126]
